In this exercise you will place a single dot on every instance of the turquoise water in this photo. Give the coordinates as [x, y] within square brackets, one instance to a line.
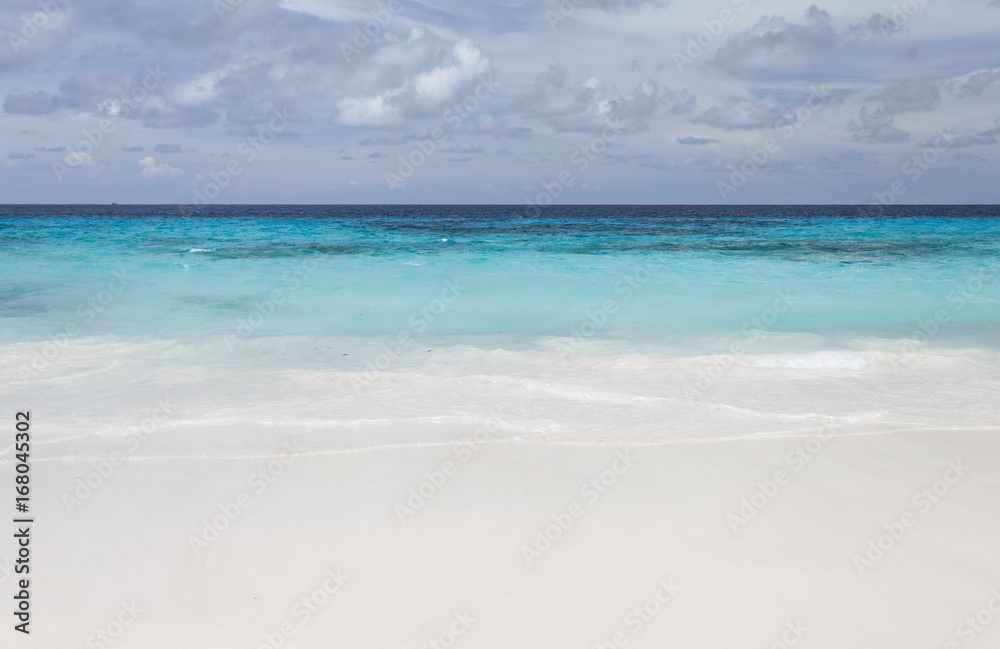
[672, 274]
[354, 326]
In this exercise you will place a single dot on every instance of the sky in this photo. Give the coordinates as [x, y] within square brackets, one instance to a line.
[513, 101]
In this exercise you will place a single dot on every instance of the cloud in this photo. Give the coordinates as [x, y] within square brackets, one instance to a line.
[696, 141]
[877, 127]
[253, 131]
[386, 138]
[500, 128]
[79, 159]
[137, 147]
[144, 96]
[964, 141]
[847, 162]
[443, 80]
[876, 24]
[764, 112]
[376, 155]
[152, 170]
[504, 151]
[972, 138]
[909, 96]
[463, 147]
[17, 155]
[593, 105]
[37, 102]
[167, 148]
[775, 45]
[964, 156]
[28, 42]
[976, 83]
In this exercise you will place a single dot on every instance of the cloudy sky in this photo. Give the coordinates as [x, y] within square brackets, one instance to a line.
[452, 101]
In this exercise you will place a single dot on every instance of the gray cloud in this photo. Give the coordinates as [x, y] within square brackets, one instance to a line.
[775, 45]
[386, 138]
[250, 131]
[137, 147]
[972, 138]
[17, 155]
[875, 25]
[964, 156]
[877, 127]
[37, 102]
[167, 148]
[964, 141]
[743, 114]
[463, 147]
[500, 128]
[847, 163]
[908, 96]
[696, 141]
[590, 106]
[977, 82]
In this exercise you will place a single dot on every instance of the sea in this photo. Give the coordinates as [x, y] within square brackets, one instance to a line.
[356, 326]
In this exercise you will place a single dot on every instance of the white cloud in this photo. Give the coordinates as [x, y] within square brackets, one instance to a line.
[422, 92]
[79, 159]
[443, 84]
[152, 170]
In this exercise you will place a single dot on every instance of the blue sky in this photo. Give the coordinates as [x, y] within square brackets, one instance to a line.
[515, 101]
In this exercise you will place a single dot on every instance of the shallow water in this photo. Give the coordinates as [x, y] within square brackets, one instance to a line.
[582, 323]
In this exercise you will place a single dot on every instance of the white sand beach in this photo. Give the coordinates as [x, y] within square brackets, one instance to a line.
[444, 530]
